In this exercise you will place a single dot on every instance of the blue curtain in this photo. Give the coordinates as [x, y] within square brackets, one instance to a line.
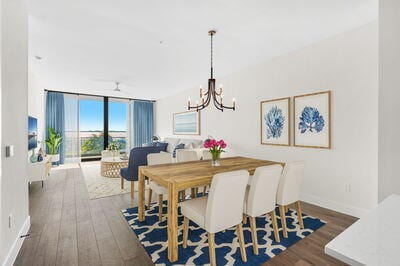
[55, 117]
[143, 122]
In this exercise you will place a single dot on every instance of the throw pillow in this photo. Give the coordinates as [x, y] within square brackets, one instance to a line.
[162, 145]
[178, 147]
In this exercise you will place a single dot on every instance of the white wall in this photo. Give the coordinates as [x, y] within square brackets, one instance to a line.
[36, 104]
[14, 112]
[389, 94]
[347, 64]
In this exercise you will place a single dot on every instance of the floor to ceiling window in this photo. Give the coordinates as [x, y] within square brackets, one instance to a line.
[91, 126]
[91, 123]
[118, 123]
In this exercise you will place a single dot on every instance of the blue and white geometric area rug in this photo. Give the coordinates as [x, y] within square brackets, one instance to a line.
[153, 236]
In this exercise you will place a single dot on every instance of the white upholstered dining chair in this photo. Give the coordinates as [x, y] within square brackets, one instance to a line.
[261, 199]
[186, 155]
[288, 192]
[154, 159]
[207, 155]
[189, 156]
[220, 210]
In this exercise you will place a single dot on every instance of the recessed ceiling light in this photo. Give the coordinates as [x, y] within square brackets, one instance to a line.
[38, 57]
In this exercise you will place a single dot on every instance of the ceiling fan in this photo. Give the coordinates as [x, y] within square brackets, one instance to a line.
[117, 89]
[117, 85]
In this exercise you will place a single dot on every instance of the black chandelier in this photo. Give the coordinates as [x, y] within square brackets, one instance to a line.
[205, 98]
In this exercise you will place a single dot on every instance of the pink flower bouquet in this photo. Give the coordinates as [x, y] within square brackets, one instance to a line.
[216, 148]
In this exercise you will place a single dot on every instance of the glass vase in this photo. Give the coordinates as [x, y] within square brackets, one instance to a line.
[215, 159]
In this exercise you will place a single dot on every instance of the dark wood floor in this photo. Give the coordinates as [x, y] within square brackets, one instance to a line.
[69, 229]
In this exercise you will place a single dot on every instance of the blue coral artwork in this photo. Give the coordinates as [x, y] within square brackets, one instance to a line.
[275, 122]
[312, 120]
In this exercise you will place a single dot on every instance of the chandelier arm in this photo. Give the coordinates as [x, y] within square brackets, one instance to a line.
[208, 99]
[218, 105]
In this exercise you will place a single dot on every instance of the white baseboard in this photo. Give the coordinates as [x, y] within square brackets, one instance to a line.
[16, 246]
[334, 205]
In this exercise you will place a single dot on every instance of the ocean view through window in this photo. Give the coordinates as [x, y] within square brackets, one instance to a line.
[91, 125]
[118, 123]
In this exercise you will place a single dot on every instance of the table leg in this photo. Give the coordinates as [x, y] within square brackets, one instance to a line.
[141, 196]
[172, 223]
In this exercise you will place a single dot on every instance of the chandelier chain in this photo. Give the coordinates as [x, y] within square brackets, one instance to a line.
[212, 69]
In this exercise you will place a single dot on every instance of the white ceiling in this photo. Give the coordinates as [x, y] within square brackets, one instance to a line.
[82, 42]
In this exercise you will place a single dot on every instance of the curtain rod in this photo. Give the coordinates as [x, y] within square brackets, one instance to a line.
[96, 95]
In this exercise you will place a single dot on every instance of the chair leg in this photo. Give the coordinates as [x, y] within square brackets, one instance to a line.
[122, 182]
[196, 191]
[286, 208]
[192, 193]
[160, 207]
[239, 229]
[283, 221]
[149, 199]
[244, 219]
[185, 231]
[211, 248]
[183, 195]
[132, 189]
[204, 190]
[254, 234]
[275, 226]
[42, 183]
[299, 214]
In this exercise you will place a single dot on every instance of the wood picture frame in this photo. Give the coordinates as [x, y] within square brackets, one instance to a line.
[275, 122]
[312, 120]
[186, 123]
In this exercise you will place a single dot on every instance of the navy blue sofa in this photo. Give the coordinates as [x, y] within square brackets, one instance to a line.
[137, 157]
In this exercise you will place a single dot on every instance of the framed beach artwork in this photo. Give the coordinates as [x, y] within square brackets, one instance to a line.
[275, 122]
[187, 123]
[312, 120]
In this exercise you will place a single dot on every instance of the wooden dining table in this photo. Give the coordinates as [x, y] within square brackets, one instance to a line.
[180, 176]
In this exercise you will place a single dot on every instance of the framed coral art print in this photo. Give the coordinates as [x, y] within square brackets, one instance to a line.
[275, 122]
[312, 120]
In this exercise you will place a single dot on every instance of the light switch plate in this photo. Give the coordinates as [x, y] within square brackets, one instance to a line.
[9, 151]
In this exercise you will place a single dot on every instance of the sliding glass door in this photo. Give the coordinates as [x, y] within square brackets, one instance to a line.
[118, 124]
[91, 127]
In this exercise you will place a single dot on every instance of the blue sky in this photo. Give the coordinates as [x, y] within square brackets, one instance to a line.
[91, 115]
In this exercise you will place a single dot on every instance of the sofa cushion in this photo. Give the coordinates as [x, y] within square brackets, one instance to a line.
[188, 143]
[197, 143]
[191, 143]
[172, 142]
